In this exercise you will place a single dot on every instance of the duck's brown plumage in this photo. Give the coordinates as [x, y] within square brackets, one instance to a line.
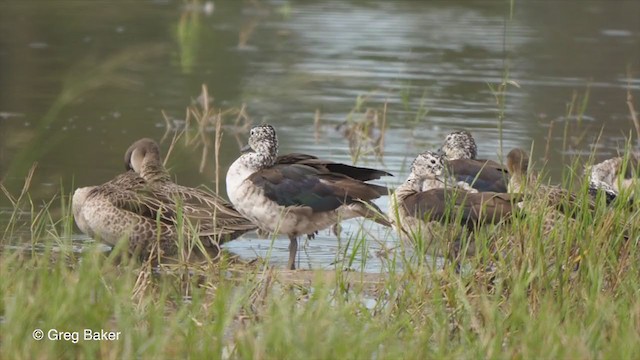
[419, 210]
[144, 206]
[127, 208]
[525, 181]
[474, 208]
[144, 157]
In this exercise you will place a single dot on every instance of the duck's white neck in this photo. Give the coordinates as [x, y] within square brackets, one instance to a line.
[243, 167]
[426, 183]
[432, 182]
[412, 185]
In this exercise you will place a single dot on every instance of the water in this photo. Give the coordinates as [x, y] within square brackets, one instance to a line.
[80, 81]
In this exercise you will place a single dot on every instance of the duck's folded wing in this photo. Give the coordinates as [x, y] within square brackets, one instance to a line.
[202, 204]
[483, 175]
[326, 166]
[449, 205]
[208, 213]
[301, 185]
[144, 203]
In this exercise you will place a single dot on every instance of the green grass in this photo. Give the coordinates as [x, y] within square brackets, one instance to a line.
[532, 303]
[569, 293]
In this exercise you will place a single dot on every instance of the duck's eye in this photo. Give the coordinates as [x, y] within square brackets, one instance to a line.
[433, 161]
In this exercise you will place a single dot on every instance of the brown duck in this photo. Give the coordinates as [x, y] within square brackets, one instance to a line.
[524, 181]
[147, 212]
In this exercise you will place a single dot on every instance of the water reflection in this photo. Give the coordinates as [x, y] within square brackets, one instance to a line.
[82, 80]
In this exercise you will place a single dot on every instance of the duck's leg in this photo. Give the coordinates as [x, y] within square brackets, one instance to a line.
[293, 250]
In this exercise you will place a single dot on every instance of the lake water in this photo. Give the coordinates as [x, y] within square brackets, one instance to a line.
[81, 80]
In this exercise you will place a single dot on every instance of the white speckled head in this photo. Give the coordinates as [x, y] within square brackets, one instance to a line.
[428, 165]
[459, 145]
[263, 139]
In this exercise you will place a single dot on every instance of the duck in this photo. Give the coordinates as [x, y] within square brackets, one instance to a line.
[125, 207]
[559, 208]
[613, 176]
[144, 158]
[424, 201]
[296, 198]
[149, 212]
[460, 151]
[522, 180]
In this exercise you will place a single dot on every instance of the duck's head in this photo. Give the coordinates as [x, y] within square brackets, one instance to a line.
[263, 139]
[517, 162]
[459, 145]
[428, 165]
[139, 151]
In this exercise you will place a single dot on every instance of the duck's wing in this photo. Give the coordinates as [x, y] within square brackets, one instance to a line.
[130, 193]
[470, 208]
[124, 207]
[482, 175]
[302, 185]
[214, 214]
[564, 200]
[326, 166]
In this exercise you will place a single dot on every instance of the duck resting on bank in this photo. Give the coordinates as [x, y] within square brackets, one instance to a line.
[297, 198]
[523, 180]
[144, 206]
[613, 176]
[144, 158]
[423, 202]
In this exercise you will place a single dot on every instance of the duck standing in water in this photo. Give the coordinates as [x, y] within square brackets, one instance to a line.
[146, 207]
[423, 201]
[460, 152]
[294, 198]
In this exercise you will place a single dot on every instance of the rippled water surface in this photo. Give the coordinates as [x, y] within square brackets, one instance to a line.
[81, 80]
